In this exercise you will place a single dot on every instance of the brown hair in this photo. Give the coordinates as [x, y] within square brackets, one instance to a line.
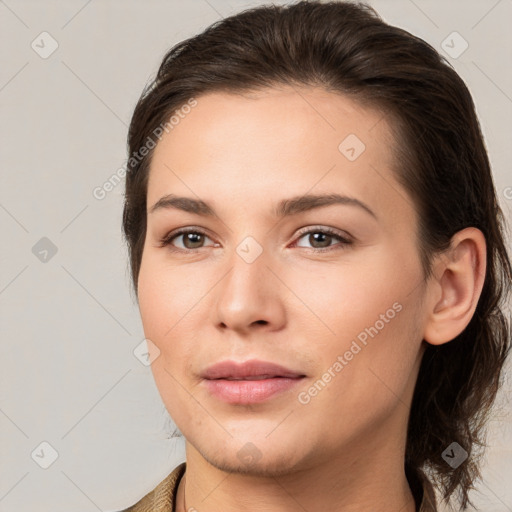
[442, 163]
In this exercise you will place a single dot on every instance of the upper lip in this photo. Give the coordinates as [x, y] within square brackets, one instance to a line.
[252, 368]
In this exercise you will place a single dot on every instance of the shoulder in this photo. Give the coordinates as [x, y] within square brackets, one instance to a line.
[162, 497]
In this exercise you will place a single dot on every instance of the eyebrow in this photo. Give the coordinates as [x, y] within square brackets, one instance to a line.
[284, 208]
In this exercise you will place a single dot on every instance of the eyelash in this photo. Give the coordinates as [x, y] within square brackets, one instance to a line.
[167, 240]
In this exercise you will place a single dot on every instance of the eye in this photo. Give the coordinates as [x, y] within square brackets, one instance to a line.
[321, 238]
[191, 239]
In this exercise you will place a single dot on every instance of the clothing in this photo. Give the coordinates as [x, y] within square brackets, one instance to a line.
[163, 497]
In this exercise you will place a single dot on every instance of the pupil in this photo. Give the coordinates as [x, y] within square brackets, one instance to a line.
[190, 238]
[321, 238]
[326, 239]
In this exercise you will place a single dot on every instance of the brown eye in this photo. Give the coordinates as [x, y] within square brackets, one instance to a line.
[322, 239]
[190, 239]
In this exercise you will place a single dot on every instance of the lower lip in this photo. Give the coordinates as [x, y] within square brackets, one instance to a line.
[249, 391]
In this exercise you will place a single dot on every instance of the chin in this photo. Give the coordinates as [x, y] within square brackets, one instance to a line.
[274, 466]
[256, 457]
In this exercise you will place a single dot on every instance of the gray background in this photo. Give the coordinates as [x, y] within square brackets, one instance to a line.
[69, 326]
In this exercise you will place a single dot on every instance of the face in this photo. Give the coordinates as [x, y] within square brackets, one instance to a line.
[329, 290]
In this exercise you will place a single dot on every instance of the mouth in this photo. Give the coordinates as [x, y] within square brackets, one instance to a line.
[249, 382]
[256, 377]
[253, 369]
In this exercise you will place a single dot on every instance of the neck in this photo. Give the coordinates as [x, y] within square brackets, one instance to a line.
[357, 481]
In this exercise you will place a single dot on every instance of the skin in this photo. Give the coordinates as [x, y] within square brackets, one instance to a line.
[294, 304]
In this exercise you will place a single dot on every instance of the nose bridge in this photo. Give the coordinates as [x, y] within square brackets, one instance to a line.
[249, 273]
[249, 292]
[250, 250]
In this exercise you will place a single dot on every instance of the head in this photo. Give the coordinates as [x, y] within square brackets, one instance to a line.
[246, 121]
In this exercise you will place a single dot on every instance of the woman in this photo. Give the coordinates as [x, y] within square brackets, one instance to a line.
[319, 261]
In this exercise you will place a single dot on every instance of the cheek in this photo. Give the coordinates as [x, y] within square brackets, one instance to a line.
[347, 300]
[368, 316]
[162, 309]
[166, 296]
[165, 303]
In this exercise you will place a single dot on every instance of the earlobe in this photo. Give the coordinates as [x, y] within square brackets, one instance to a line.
[456, 287]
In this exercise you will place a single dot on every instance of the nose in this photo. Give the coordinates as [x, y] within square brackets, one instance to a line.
[250, 296]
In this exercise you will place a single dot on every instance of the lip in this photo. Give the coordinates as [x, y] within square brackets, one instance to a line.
[257, 380]
[251, 368]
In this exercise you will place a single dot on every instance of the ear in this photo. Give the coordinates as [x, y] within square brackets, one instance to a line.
[456, 285]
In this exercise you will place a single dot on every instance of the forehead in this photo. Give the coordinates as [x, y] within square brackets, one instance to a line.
[277, 117]
[254, 146]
